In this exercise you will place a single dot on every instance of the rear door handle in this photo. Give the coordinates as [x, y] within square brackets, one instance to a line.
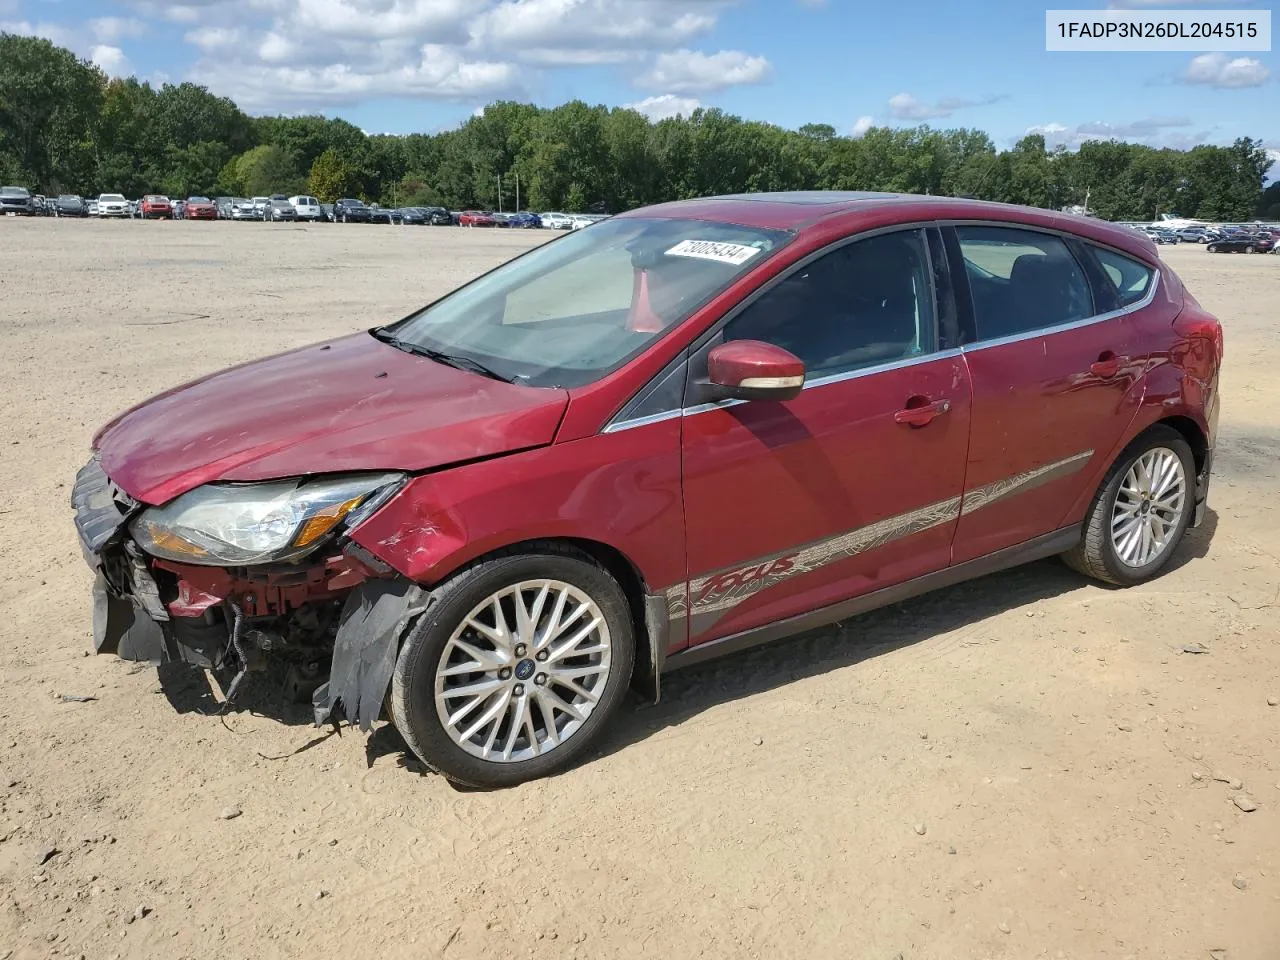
[920, 411]
[1106, 366]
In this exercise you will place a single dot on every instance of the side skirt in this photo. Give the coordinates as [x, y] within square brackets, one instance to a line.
[1059, 541]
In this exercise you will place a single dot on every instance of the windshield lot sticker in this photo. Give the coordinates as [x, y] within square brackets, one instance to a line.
[734, 253]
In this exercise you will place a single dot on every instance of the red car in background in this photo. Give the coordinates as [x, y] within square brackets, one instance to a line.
[690, 429]
[200, 208]
[155, 207]
[476, 218]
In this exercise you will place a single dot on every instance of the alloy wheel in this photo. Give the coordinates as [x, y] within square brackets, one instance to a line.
[523, 671]
[1148, 507]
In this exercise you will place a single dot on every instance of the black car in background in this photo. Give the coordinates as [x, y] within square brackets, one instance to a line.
[351, 211]
[16, 202]
[438, 216]
[69, 205]
[409, 216]
[1241, 243]
[380, 215]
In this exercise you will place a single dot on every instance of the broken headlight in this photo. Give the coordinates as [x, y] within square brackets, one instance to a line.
[243, 524]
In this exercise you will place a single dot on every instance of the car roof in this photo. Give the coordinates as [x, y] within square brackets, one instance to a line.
[802, 210]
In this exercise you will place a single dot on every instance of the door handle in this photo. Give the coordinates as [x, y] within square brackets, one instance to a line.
[921, 410]
[1106, 366]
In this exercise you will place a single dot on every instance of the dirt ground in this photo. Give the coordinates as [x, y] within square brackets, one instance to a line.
[1026, 766]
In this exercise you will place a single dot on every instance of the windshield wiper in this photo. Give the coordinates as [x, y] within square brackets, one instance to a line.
[448, 359]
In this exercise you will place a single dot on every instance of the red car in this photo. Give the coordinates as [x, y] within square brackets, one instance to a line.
[155, 207]
[476, 218]
[200, 208]
[690, 429]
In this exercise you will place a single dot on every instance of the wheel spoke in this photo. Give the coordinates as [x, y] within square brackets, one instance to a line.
[490, 660]
[568, 647]
[556, 701]
[472, 689]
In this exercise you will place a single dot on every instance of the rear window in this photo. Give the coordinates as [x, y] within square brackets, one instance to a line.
[1131, 278]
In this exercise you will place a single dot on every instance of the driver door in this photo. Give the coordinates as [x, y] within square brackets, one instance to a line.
[792, 506]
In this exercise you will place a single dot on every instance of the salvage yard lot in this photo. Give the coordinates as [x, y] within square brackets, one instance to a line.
[1019, 767]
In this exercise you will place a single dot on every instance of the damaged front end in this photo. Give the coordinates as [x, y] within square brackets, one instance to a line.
[251, 577]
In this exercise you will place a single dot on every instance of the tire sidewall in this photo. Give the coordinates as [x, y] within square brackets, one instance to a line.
[413, 706]
[1171, 440]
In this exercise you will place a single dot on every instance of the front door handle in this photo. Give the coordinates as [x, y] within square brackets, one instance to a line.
[1106, 366]
[921, 410]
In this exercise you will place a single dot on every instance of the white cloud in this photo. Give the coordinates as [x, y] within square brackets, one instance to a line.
[111, 29]
[593, 31]
[692, 71]
[862, 125]
[906, 107]
[111, 60]
[1176, 132]
[1216, 70]
[664, 106]
[50, 31]
[212, 38]
[437, 72]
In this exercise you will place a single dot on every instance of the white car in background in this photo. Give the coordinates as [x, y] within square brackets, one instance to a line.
[556, 221]
[93, 207]
[581, 220]
[113, 205]
[308, 208]
[260, 206]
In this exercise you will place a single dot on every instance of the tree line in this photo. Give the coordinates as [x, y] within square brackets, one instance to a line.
[65, 127]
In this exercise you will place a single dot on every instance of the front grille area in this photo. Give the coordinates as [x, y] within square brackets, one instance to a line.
[99, 505]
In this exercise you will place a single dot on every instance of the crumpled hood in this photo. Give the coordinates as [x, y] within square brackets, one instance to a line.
[347, 405]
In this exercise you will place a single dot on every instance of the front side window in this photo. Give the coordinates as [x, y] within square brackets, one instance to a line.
[1131, 278]
[576, 308]
[865, 303]
[1022, 281]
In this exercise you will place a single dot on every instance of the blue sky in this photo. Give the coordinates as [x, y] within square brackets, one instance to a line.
[422, 65]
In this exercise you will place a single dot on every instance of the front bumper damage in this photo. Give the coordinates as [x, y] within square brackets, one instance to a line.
[328, 626]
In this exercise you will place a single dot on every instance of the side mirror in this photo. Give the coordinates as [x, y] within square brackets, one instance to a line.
[754, 370]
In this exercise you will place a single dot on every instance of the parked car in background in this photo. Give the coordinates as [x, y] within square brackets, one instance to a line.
[280, 211]
[805, 406]
[93, 207]
[70, 205]
[556, 221]
[326, 212]
[476, 218]
[135, 209]
[179, 209]
[16, 202]
[260, 206]
[156, 207]
[438, 216]
[410, 216]
[1241, 243]
[351, 211]
[307, 208]
[1161, 236]
[200, 208]
[379, 214]
[224, 207]
[524, 220]
[243, 208]
[114, 205]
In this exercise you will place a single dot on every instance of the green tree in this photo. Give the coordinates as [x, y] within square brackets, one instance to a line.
[268, 169]
[331, 177]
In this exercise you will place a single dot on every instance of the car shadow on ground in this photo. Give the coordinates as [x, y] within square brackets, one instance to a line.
[686, 693]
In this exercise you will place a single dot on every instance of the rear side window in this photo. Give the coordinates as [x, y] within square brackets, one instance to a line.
[1022, 281]
[1131, 278]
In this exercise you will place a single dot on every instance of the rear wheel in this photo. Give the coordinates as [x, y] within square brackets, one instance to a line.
[1141, 511]
[515, 671]
[1249, 248]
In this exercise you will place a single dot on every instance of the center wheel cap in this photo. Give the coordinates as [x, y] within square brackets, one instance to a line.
[524, 669]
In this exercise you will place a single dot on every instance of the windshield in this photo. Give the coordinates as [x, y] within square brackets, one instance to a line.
[14, 192]
[197, 199]
[112, 198]
[571, 311]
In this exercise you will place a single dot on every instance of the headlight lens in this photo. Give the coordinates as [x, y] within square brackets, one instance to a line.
[259, 522]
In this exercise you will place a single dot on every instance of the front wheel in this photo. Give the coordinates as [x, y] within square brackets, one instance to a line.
[516, 669]
[1141, 511]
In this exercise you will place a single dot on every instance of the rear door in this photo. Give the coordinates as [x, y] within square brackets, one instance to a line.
[1050, 359]
[792, 506]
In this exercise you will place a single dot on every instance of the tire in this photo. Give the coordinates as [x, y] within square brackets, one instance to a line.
[416, 708]
[1249, 248]
[1097, 554]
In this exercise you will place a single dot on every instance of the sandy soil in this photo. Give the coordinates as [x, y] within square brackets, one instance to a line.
[1020, 767]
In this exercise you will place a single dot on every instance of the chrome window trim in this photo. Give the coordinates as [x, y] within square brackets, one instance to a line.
[620, 425]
